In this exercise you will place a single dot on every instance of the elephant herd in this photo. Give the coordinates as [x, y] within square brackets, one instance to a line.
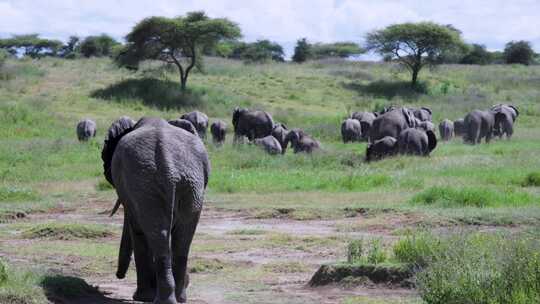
[411, 131]
[392, 131]
[257, 126]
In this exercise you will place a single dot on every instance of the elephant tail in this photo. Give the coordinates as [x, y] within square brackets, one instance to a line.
[115, 208]
[126, 249]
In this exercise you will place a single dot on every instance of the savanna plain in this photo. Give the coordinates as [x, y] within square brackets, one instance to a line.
[459, 226]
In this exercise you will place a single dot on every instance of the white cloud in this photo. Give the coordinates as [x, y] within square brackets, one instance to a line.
[491, 22]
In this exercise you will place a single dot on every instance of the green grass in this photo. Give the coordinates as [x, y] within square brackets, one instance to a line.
[67, 231]
[17, 194]
[42, 165]
[449, 197]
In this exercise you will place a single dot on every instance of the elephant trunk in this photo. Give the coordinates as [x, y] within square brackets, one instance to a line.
[126, 249]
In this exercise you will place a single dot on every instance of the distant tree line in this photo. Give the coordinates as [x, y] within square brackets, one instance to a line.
[183, 42]
[33, 46]
[306, 51]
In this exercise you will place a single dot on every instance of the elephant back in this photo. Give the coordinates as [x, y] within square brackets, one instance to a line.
[184, 124]
[117, 130]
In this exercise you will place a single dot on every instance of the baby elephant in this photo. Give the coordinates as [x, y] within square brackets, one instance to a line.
[351, 130]
[459, 127]
[446, 129]
[218, 130]
[269, 143]
[86, 129]
[301, 142]
[384, 147]
[416, 142]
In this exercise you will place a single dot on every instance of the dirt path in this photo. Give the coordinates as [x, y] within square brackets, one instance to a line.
[258, 260]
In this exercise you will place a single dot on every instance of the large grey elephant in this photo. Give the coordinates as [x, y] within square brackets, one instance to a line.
[505, 116]
[160, 173]
[513, 110]
[478, 125]
[199, 120]
[366, 121]
[425, 125]
[392, 123]
[414, 141]
[219, 131]
[351, 130]
[384, 147]
[459, 127]
[270, 144]
[446, 129]
[252, 124]
[424, 114]
[184, 124]
[301, 142]
[280, 131]
[86, 129]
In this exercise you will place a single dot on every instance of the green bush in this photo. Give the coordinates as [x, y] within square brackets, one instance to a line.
[416, 250]
[532, 180]
[3, 273]
[360, 252]
[355, 251]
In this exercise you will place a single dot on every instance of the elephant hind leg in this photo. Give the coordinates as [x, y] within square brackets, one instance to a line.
[182, 237]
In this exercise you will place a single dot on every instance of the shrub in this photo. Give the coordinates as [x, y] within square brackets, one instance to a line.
[416, 250]
[355, 251]
[532, 180]
[359, 252]
[376, 253]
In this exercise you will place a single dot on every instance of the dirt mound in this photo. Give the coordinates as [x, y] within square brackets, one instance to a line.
[392, 275]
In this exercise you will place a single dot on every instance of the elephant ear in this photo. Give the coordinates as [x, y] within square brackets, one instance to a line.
[432, 140]
[428, 110]
[183, 124]
[118, 129]
[515, 109]
[409, 117]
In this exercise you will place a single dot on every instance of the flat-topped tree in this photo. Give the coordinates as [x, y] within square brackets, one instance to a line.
[414, 45]
[176, 41]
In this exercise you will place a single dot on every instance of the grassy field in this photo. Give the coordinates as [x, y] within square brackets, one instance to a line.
[305, 208]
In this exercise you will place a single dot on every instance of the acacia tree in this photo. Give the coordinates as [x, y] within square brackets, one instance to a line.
[414, 45]
[31, 45]
[178, 41]
[519, 52]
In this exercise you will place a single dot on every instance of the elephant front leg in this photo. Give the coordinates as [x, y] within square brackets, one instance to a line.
[181, 242]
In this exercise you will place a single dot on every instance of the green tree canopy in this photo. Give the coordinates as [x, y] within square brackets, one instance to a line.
[302, 51]
[259, 51]
[177, 41]
[519, 52]
[31, 45]
[477, 55]
[414, 45]
[70, 49]
[337, 49]
[98, 46]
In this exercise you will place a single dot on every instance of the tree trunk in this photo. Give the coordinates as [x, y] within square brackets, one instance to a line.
[183, 82]
[414, 77]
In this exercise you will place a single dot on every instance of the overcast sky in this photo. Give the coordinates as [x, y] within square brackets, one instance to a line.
[489, 22]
